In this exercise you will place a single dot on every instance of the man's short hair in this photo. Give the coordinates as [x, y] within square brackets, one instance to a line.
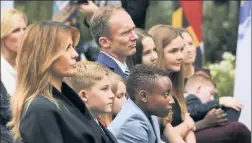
[99, 26]
[88, 73]
[199, 78]
[143, 77]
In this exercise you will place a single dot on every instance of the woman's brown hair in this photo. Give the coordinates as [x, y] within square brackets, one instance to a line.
[162, 36]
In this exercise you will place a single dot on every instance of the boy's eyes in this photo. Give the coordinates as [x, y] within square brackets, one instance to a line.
[120, 95]
[166, 94]
[105, 88]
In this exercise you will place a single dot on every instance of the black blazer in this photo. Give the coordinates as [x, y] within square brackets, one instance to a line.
[5, 115]
[107, 135]
[70, 122]
[197, 109]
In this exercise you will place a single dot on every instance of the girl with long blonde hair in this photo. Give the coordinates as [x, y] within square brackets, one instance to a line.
[169, 45]
[45, 109]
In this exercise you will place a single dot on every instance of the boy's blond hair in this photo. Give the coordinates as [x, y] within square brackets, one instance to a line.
[115, 79]
[199, 78]
[88, 73]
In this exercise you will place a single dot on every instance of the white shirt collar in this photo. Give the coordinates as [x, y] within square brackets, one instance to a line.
[122, 66]
[8, 76]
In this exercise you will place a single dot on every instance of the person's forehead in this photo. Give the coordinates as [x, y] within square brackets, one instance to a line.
[121, 87]
[177, 42]
[162, 84]
[148, 42]
[186, 36]
[121, 19]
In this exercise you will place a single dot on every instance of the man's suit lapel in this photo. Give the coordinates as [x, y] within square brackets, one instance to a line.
[110, 63]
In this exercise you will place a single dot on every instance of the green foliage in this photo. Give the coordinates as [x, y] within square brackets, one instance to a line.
[223, 74]
[220, 26]
[35, 10]
[159, 12]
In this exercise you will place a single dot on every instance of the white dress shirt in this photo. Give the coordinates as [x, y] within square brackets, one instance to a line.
[122, 66]
[8, 76]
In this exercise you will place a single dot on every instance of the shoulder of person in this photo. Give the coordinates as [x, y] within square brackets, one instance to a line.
[191, 97]
[40, 104]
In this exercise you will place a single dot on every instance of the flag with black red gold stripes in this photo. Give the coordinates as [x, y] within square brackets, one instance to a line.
[188, 14]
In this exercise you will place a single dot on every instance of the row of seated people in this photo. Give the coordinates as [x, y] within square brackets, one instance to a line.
[46, 110]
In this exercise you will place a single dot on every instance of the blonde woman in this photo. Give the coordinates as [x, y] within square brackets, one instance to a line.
[44, 109]
[13, 24]
[169, 44]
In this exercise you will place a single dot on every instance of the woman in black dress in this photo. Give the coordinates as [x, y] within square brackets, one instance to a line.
[44, 109]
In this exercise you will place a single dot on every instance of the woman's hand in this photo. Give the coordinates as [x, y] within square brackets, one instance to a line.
[171, 135]
[89, 8]
[189, 122]
[215, 117]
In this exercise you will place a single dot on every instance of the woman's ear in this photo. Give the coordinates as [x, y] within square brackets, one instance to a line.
[143, 96]
[83, 96]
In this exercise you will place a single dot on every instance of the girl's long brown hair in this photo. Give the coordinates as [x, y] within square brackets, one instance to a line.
[162, 36]
[41, 45]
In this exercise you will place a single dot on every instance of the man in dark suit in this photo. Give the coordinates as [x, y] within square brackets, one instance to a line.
[113, 30]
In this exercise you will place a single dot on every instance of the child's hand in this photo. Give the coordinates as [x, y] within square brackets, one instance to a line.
[230, 102]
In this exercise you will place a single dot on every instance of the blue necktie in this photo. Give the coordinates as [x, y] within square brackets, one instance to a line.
[126, 73]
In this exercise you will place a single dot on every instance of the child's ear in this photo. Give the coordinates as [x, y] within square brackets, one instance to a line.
[198, 89]
[83, 96]
[143, 96]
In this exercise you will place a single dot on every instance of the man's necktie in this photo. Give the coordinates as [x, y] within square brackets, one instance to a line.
[126, 73]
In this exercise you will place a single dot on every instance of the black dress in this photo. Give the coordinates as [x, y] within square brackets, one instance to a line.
[176, 118]
[70, 122]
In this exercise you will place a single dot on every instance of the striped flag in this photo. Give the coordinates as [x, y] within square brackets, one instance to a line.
[188, 14]
[66, 12]
[242, 89]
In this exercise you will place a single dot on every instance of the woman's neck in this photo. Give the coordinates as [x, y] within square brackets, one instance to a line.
[188, 70]
[9, 56]
[56, 82]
